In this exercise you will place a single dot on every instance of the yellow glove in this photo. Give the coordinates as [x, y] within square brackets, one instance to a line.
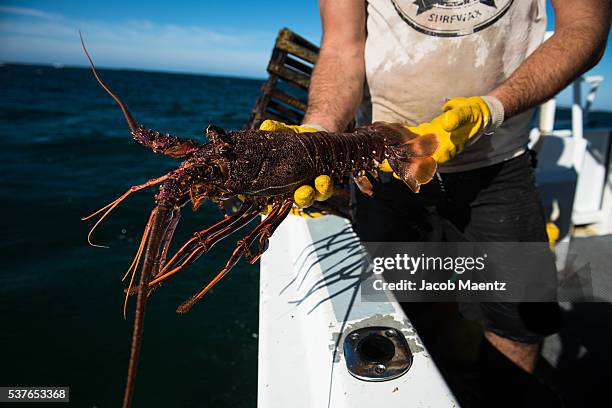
[553, 234]
[305, 195]
[463, 120]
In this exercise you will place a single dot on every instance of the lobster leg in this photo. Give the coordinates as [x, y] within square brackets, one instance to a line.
[267, 231]
[201, 236]
[168, 236]
[277, 214]
[197, 246]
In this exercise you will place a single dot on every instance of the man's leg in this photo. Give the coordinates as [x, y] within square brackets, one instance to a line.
[523, 355]
[501, 203]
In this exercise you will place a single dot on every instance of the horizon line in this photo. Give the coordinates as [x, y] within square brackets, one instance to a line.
[59, 65]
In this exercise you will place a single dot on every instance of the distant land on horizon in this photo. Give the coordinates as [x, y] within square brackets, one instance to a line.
[597, 117]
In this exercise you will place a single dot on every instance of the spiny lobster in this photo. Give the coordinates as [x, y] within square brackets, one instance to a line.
[264, 169]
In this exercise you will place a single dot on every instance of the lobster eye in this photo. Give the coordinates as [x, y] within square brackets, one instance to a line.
[217, 135]
[223, 147]
[220, 167]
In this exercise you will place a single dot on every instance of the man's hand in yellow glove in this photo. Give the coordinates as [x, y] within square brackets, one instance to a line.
[464, 120]
[323, 187]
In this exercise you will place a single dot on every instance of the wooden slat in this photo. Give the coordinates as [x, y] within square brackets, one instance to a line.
[270, 115]
[285, 41]
[299, 40]
[297, 65]
[290, 75]
[285, 111]
[288, 99]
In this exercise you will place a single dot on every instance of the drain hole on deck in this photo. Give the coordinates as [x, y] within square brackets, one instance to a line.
[376, 348]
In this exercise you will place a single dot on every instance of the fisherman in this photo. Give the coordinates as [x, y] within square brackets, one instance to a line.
[471, 72]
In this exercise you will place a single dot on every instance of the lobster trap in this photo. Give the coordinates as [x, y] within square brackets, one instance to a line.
[284, 96]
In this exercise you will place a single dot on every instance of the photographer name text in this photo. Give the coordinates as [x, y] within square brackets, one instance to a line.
[426, 286]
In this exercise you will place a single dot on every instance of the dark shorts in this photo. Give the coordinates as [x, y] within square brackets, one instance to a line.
[498, 203]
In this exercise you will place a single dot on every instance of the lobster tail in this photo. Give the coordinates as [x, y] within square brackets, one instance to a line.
[410, 154]
[415, 172]
[419, 147]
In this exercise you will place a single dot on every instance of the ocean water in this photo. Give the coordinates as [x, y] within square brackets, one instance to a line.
[66, 152]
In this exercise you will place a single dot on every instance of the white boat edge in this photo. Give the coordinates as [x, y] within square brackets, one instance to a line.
[309, 300]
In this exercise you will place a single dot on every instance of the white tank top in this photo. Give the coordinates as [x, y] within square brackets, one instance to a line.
[420, 53]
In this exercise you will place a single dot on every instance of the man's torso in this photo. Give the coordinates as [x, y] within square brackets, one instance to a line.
[420, 53]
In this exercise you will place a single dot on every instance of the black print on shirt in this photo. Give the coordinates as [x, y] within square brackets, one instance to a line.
[451, 18]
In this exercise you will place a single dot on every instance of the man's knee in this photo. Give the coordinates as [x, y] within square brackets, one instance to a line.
[523, 355]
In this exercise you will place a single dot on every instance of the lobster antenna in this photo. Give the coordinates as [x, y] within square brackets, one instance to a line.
[128, 116]
[134, 265]
[111, 206]
[157, 225]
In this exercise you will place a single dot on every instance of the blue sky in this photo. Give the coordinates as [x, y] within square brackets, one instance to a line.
[215, 37]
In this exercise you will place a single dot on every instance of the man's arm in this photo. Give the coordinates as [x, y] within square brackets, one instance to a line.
[336, 86]
[581, 31]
